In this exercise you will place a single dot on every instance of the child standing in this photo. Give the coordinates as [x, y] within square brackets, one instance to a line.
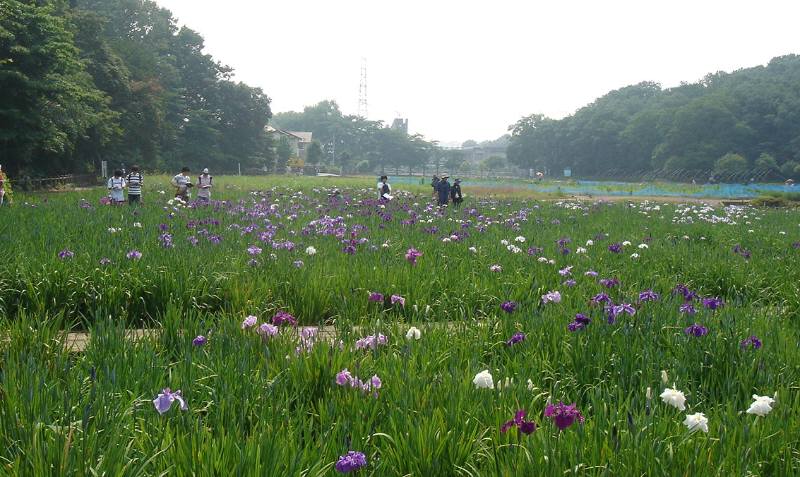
[135, 183]
[205, 182]
[116, 185]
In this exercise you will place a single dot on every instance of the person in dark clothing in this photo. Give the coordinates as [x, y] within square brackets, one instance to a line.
[455, 193]
[444, 191]
[435, 186]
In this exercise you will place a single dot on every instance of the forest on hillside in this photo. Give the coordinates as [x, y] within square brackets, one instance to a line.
[727, 122]
[118, 80]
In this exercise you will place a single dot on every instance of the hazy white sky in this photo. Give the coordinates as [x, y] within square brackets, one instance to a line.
[468, 69]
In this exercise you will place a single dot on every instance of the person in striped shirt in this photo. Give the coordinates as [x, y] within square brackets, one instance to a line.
[135, 183]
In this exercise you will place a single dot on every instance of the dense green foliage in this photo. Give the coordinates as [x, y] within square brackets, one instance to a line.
[117, 80]
[358, 144]
[261, 406]
[753, 112]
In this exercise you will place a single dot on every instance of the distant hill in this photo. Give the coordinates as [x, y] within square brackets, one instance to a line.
[745, 120]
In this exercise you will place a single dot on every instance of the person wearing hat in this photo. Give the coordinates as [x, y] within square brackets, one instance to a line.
[444, 190]
[205, 182]
[455, 193]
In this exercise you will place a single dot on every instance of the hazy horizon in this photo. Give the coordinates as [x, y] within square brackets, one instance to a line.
[466, 70]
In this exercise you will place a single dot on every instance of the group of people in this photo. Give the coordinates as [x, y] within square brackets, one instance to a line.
[443, 192]
[446, 193]
[134, 181]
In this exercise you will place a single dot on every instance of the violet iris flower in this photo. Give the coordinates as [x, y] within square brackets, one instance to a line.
[563, 415]
[752, 342]
[648, 295]
[163, 402]
[282, 317]
[376, 297]
[412, 255]
[696, 330]
[508, 306]
[525, 427]
[200, 340]
[351, 462]
[713, 303]
[517, 337]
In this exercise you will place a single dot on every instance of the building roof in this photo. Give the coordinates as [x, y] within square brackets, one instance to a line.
[305, 136]
[274, 130]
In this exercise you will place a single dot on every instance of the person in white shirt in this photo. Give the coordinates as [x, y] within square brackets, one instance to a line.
[384, 189]
[204, 183]
[182, 183]
[116, 185]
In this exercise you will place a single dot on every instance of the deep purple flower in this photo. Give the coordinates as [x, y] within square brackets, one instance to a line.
[65, 254]
[696, 330]
[534, 250]
[134, 255]
[713, 303]
[796, 245]
[615, 248]
[282, 317]
[591, 273]
[562, 242]
[517, 337]
[508, 306]
[569, 283]
[376, 297]
[688, 308]
[752, 342]
[351, 462]
[200, 340]
[600, 298]
[394, 299]
[563, 415]
[583, 319]
[165, 398]
[349, 250]
[253, 250]
[412, 255]
[688, 295]
[648, 295]
[609, 282]
[525, 427]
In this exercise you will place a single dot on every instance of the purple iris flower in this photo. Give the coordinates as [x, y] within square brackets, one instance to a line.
[376, 297]
[752, 342]
[696, 330]
[600, 298]
[688, 308]
[591, 273]
[266, 330]
[508, 306]
[165, 398]
[105, 261]
[517, 337]
[609, 282]
[534, 251]
[65, 254]
[569, 283]
[713, 303]
[648, 295]
[134, 255]
[351, 462]
[200, 340]
[525, 427]
[563, 415]
[615, 248]
[282, 317]
[412, 255]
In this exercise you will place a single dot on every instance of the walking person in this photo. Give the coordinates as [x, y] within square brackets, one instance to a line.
[444, 190]
[455, 193]
[435, 186]
[116, 186]
[135, 183]
[204, 183]
[182, 183]
[2, 185]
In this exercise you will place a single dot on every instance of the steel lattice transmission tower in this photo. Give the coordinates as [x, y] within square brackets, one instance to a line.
[363, 109]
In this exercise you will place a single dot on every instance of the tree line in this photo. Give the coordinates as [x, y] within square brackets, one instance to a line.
[117, 80]
[727, 122]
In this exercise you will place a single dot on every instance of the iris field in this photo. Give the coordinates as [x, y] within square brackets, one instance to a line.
[510, 336]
